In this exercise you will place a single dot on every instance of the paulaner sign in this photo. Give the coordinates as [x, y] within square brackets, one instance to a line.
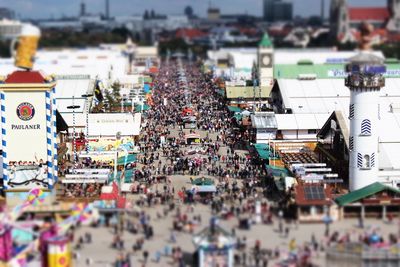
[28, 130]
[339, 73]
[25, 112]
[26, 133]
[25, 127]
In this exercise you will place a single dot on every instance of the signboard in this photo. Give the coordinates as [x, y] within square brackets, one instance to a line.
[26, 121]
[102, 145]
[26, 136]
[108, 124]
[341, 73]
[28, 176]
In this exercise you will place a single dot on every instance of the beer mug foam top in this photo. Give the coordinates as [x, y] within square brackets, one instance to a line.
[25, 46]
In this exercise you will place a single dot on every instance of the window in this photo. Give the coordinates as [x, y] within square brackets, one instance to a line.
[313, 131]
[379, 111]
[359, 160]
[366, 161]
[351, 143]
[372, 160]
[351, 111]
[366, 127]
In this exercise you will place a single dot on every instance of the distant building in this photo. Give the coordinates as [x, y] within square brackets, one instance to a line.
[6, 13]
[277, 10]
[213, 13]
[268, 10]
[83, 9]
[345, 20]
[394, 10]
[107, 10]
[10, 29]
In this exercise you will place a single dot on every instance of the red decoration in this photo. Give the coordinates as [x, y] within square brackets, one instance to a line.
[20, 76]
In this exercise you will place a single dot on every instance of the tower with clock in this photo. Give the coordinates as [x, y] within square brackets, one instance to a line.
[265, 62]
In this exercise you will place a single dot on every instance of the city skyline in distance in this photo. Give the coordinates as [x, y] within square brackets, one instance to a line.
[41, 9]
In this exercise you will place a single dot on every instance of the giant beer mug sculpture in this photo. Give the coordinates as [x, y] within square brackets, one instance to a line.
[24, 47]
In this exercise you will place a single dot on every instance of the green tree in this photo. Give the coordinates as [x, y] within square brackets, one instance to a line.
[116, 90]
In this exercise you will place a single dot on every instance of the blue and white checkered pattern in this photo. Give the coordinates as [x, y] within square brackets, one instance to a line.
[54, 123]
[49, 136]
[4, 140]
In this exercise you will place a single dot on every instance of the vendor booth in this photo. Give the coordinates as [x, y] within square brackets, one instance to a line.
[192, 138]
[189, 122]
[214, 246]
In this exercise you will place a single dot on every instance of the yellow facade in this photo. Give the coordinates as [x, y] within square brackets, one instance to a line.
[247, 92]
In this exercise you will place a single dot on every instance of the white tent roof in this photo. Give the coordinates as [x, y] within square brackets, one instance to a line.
[317, 56]
[95, 62]
[323, 96]
[307, 121]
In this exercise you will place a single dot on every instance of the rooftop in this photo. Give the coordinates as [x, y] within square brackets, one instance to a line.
[265, 41]
[364, 192]
[369, 13]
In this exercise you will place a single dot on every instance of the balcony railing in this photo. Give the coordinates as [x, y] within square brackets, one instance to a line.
[365, 81]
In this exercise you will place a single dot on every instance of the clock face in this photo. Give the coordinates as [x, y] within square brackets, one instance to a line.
[266, 60]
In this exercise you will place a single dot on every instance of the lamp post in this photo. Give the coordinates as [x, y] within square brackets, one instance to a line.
[87, 121]
[73, 107]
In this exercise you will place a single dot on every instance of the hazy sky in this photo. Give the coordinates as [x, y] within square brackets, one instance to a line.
[57, 8]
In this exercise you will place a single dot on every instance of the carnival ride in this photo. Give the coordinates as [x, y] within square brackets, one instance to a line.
[51, 240]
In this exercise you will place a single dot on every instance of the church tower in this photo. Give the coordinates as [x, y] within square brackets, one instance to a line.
[394, 21]
[339, 21]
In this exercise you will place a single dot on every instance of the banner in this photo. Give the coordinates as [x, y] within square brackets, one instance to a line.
[26, 135]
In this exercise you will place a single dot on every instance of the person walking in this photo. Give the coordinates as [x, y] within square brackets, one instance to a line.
[145, 256]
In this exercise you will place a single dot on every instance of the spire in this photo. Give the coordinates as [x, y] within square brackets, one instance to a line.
[265, 41]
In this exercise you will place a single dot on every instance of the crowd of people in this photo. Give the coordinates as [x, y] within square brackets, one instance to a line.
[82, 190]
[166, 150]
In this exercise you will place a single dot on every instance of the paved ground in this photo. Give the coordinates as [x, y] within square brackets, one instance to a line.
[103, 255]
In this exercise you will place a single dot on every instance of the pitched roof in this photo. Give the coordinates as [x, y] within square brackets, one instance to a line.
[189, 33]
[369, 13]
[265, 41]
[364, 192]
[339, 118]
[25, 77]
[302, 198]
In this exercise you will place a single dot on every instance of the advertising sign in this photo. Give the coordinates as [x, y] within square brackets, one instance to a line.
[26, 139]
[111, 145]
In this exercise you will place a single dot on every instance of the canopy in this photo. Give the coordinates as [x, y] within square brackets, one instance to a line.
[220, 92]
[238, 116]
[264, 151]
[128, 159]
[234, 109]
[187, 136]
[277, 171]
[146, 88]
[139, 108]
[204, 189]
[203, 181]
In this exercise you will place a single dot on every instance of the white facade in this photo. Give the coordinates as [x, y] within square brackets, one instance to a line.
[364, 137]
[265, 63]
[365, 81]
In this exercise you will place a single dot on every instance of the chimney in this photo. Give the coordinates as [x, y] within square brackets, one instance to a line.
[107, 14]
[322, 10]
[83, 9]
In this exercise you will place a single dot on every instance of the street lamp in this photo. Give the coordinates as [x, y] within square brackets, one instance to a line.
[73, 107]
[87, 121]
